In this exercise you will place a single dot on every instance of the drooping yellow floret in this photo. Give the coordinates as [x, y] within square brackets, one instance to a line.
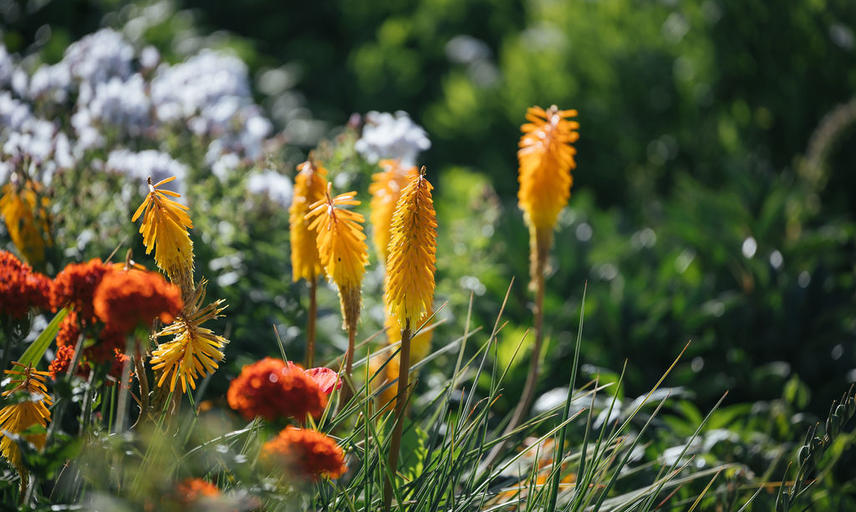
[164, 230]
[26, 216]
[16, 418]
[546, 158]
[409, 284]
[309, 188]
[342, 248]
[194, 351]
[385, 189]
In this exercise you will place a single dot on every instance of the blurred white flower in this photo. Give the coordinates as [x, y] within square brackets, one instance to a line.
[139, 166]
[276, 187]
[99, 56]
[392, 136]
[224, 165]
[121, 103]
[50, 82]
[7, 67]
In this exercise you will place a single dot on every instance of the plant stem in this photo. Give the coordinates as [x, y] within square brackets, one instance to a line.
[310, 322]
[400, 400]
[347, 390]
[541, 248]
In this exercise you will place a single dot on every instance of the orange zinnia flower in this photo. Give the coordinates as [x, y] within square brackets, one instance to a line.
[305, 454]
[191, 490]
[124, 300]
[309, 188]
[21, 289]
[75, 286]
[385, 189]
[272, 388]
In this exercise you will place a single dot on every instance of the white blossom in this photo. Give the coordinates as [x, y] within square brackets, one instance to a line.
[392, 136]
[139, 166]
[276, 187]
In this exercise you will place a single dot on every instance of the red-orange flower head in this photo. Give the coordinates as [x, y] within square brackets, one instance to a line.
[75, 286]
[21, 289]
[305, 454]
[191, 490]
[272, 388]
[125, 300]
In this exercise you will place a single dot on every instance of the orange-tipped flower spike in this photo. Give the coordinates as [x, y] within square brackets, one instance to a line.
[409, 284]
[546, 159]
[18, 417]
[344, 256]
[164, 230]
[342, 248]
[385, 189]
[309, 188]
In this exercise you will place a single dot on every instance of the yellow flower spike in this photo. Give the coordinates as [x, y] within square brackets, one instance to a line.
[409, 287]
[310, 186]
[27, 220]
[164, 229]
[344, 256]
[385, 189]
[16, 418]
[194, 351]
[409, 284]
[546, 158]
[342, 248]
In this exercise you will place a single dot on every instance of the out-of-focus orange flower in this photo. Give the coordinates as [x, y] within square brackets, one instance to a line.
[75, 286]
[25, 210]
[272, 388]
[60, 364]
[21, 289]
[306, 454]
[385, 189]
[124, 300]
[191, 490]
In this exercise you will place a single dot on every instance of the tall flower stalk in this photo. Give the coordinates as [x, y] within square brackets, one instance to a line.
[546, 158]
[409, 286]
[193, 351]
[344, 256]
[310, 185]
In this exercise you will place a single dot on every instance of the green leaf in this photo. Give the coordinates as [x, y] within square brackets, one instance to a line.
[37, 348]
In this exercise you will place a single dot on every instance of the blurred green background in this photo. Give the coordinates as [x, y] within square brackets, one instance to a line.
[712, 200]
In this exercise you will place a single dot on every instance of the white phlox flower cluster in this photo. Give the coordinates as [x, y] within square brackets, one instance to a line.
[273, 185]
[392, 136]
[115, 98]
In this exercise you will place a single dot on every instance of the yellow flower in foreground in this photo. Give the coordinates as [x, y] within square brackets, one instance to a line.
[164, 229]
[385, 189]
[342, 248]
[546, 159]
[16, 418]
[309, 188]
[194, 350]
[26, 219]
[409, 284]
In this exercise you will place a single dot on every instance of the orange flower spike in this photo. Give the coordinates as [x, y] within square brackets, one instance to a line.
[309, 188]
[546, 159]
[409, 284]
[385, 189]
[164, 229]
